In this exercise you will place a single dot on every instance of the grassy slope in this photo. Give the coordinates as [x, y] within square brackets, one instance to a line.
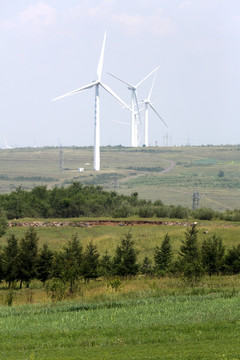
[177, 327]
[146, 319]
[146, 237]
[196, 168]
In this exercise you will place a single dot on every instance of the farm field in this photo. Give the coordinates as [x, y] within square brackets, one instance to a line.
[169, 174]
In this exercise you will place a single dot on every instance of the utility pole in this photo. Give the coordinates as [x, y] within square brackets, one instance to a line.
[61, 160]
[166, 139]
[195, 200]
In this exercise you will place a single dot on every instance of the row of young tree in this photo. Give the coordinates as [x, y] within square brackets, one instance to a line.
[194, 259]
[78, 200]
[21, 261]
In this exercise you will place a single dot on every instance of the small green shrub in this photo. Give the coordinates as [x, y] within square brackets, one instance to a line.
[114, 283]
[204, 214]
[122, 212]
[178, 212]
[9, 298]
[146, 212]
[160, 211]
[55, 289]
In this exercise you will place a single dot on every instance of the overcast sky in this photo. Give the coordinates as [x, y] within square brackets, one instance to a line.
[50, 47]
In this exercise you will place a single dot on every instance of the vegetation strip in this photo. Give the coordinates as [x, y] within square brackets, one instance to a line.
[94, 223]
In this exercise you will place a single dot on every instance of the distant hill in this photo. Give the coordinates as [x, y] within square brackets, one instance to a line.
[170, 174]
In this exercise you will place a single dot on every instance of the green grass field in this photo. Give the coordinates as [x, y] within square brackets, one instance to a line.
[146, 237]
[146, 327]
[147, 318]
[127, 170]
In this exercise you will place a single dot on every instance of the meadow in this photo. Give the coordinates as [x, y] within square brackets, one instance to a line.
[145, 319]
[211, 170]
[146, 237]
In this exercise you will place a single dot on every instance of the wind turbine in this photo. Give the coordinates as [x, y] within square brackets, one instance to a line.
[96, 84]
[134, 101]
[6, 144]
[147, 103]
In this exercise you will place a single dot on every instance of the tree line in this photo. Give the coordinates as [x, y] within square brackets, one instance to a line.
[78, 200]
[21, 261]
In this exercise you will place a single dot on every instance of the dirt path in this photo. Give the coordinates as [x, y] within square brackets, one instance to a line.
[172, 165]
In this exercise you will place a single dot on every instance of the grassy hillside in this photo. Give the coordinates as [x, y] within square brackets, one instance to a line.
[157, 318]
[156, 321]
[170, 174]
[146, 237]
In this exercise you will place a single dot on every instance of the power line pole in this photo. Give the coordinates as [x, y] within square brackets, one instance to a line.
[61, 159]
[195, 200]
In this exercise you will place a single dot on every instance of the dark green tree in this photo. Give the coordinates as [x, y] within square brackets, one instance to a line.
[44, 264]
[1, 269]
[232, 260]
[125, 258]
[3, 222]
[16, 204]
[189, 250]
[163, 256]
[10, 260]
[90, 262]
[190, 262]
[39, 200]
[28, 256]
[105, 265]
[71, 263]
[146, 267]
[58, 267]
[212, 255]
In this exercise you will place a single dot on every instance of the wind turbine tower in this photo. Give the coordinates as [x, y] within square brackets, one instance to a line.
[6, 144]
[134, 101]
[97, 84]
[147, 103]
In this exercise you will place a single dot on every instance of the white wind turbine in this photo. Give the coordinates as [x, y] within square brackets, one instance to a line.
[6, 144]
[147, 103]
[97, 84]
[134, 101]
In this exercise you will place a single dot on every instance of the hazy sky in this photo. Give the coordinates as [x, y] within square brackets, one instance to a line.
[50, 47]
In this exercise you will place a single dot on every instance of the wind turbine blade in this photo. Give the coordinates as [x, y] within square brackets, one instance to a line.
[100, 63]
[111, 92]
[73, 92]
[121, 80]
[121, 122]
[153, 71]
[157, 113]
[150, 93]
